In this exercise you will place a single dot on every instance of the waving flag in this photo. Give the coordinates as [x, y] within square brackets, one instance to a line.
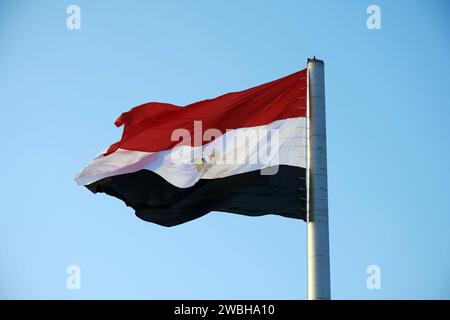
[243, 152]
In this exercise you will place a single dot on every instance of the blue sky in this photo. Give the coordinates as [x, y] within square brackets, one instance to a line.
[388, 110]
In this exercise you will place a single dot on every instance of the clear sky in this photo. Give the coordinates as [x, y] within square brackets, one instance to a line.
[388, 112]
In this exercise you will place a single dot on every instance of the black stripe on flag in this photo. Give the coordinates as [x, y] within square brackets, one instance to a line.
[252, 194]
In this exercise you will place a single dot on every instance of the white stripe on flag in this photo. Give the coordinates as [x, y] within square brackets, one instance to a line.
[237, 151]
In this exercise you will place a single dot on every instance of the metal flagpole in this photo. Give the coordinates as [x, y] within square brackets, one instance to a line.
[318, 242]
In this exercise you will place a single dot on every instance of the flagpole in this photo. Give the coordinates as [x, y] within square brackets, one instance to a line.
[317, 224]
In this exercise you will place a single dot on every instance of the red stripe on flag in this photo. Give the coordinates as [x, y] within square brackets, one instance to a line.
[149, 127]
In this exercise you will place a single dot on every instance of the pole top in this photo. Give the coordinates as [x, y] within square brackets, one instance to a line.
[310, 60]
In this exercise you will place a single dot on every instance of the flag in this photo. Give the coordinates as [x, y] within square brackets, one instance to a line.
[243, 152]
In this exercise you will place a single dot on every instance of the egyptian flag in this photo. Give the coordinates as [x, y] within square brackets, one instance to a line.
[243, 152]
